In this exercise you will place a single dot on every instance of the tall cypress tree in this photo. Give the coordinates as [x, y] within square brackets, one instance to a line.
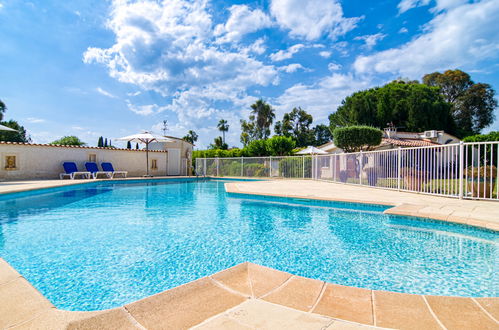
[105, 143]
[129, 145]
[100, 144]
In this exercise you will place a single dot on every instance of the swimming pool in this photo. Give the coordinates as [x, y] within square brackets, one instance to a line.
[102, 245]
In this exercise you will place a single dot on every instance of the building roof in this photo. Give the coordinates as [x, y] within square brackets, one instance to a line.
[74, 147]
[408, 142]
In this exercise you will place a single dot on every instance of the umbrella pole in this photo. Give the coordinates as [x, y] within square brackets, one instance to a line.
[147, 159]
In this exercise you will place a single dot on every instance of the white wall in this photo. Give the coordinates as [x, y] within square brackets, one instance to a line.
[38, 161]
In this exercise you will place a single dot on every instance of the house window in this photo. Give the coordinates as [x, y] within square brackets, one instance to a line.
[154, 164]
[92, 158]
[10, 163]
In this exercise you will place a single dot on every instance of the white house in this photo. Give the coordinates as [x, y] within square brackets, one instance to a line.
[393, 139]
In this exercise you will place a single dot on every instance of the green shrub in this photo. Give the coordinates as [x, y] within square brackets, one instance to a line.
[255, 170]
[280, 146]
[256, 148]
[492, 136]
[357, 138]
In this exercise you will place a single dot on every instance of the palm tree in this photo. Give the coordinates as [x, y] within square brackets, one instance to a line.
[264, 115]
[223, 127]
[3, 107]
[191, 137]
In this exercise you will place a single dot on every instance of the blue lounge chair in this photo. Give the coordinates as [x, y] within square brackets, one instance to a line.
[71, 171]
[108, 167]
[94, 170]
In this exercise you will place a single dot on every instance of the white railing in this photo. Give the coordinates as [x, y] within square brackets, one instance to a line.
[464, 170]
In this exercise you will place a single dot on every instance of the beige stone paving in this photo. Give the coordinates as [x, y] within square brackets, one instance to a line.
[471, 212]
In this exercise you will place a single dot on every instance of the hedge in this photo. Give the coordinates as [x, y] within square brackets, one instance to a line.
[356, 138]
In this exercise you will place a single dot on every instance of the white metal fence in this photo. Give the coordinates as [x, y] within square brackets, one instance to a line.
[464, 170]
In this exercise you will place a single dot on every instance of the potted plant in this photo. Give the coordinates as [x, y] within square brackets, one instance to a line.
[481, 180]
[413, 178]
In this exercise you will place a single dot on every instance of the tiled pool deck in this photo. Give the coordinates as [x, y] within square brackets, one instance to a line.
[250, 296]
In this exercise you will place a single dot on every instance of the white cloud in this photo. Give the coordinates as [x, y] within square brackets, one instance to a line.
[34, 120]
[334, 66]
[292, 68]
[1, 6]
[312, 19]
[403, 30]
[371, 39]
[137, 93]
[145, 110]
[170, 47]
[405, 5]
[323, 97]
[286, 54]
[258, 47]
[325, 54]
[242, 20]
[105, 93]
[460, 37]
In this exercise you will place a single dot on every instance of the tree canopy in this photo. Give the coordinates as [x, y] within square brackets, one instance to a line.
[20, 136]
[411, 106]
[296, 124]
[258, 125]
[3, 108]
[223, 127]
[69, 141]
[191, 137]
[473, 104]
[357, 138]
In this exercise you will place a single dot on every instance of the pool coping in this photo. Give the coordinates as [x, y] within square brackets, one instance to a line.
[212, 297]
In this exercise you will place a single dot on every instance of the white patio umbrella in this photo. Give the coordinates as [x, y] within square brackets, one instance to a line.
[145, 138]
[5, 128]
[310, 150]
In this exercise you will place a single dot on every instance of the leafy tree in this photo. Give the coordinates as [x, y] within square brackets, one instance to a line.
[191, 137]
[413, 106]
[280, 145]
[322, 134]
[248, 131]
[20, 136]
[128, 145]
[357, 138]
[296, 124]
[257, 148]
[262, 115]
[473, 104]
[223, 127]
[69, 141]
[100, 142]
[218, 144]
[3, 108]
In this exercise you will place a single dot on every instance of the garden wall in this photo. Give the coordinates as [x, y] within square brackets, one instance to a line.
[20, 161]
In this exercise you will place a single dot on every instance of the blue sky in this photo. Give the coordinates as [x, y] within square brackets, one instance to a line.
[113, 68]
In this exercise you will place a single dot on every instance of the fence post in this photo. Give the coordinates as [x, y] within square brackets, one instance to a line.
[461, 169]
[303, 166]
[217, 166]
[399, 161]
[360, 167]
[204, 167]
[270, 167]
[242, 166]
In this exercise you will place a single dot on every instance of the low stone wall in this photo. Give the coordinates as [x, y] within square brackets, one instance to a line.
[20, 161]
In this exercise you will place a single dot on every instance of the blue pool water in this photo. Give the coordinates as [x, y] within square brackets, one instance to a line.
[103, 245]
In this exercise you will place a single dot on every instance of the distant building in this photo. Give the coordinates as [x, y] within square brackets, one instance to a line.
[179, 154]
[393, 139]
